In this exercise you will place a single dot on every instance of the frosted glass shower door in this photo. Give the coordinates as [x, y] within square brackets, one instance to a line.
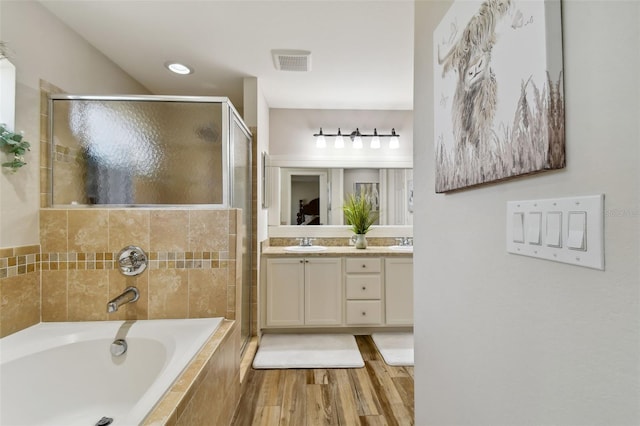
[137, 152]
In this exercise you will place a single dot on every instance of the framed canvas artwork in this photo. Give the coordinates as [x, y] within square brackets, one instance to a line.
[370, 191]
[498, 91]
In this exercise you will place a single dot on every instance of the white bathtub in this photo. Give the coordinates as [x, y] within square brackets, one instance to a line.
[64, 374]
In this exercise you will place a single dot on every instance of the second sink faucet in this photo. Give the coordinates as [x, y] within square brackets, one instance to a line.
[129, 295]
[306, 241]
[405, 241]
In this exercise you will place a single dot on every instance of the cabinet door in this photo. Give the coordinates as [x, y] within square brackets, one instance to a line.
[398, 281]
[323, 291]
[285, 292]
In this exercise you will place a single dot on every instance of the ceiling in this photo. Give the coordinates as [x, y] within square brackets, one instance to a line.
[361, 50]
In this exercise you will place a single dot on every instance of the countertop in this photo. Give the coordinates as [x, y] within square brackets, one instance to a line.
[339, 251]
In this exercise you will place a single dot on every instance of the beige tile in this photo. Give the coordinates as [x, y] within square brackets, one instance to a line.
[207, 293]
[233, 220]
[20, 303]
[88, 230]
[88, 294]
[54, 296]
[168, 293]
[208, 230]
[128, 227]
[233, 246]
[53, 230]
[169, 230]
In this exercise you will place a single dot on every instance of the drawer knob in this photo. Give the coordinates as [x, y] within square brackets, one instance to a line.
[364, 288]
[364, 313]
[364, 266]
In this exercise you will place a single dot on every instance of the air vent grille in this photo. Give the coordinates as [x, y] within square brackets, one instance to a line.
[292, 60]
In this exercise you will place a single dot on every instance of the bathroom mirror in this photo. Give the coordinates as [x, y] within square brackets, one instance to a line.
[314, 196]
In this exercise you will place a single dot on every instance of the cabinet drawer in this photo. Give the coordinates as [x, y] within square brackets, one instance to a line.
[364, 312]
[363, 287]
[355, 265]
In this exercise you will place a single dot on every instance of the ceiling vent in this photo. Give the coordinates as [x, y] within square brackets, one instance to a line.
[292, 60]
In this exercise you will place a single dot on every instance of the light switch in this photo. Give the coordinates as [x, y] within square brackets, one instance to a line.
[518, 227]
[554, 229]
[568, 230]
[577, 238]
[534, 222]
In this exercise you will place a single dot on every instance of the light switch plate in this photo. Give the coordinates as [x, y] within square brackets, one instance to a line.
[552, 229]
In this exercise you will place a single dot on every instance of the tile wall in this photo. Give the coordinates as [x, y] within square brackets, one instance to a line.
[19, 288]
[192, 268]
[70, 277]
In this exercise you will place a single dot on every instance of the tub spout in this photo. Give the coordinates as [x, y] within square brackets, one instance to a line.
[129, 295]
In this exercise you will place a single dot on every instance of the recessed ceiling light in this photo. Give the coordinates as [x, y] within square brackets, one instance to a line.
[178, 68]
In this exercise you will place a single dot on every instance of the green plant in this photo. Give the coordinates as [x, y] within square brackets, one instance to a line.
[13, 143]
[358, 212]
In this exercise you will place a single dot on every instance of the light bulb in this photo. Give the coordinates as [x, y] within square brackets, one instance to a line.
[375, 141]
[394, 143]
[320, 141]
[339, 140]
[357, 142]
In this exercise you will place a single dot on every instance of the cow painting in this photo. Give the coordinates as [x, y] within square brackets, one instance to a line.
[499, 107]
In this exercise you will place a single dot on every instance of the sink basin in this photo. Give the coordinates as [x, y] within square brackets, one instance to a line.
[305, 249]
[402, 248]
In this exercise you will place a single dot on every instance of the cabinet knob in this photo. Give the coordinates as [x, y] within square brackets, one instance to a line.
[364, 288]
[364, 314]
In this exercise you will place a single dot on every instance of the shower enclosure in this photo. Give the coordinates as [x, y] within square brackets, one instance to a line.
[154, 151]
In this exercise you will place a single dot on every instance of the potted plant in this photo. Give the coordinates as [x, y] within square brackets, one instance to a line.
[13, 143]
[360, 216]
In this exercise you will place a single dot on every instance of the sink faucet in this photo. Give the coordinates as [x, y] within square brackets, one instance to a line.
[405, 241]
[306, 241]
[129, 295]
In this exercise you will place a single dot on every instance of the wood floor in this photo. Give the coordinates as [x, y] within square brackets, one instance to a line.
[377, 394]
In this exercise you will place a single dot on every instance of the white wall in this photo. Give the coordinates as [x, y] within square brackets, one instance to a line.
[509, 340]
[43, 48]
[256, 114]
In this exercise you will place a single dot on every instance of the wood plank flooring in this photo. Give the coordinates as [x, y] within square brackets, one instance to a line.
[377, 394]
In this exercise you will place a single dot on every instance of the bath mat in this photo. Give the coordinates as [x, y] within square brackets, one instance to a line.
[395, 348]
[279, 351]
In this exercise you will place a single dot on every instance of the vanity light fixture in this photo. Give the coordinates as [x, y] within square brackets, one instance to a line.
[356, 137]
[178, 68]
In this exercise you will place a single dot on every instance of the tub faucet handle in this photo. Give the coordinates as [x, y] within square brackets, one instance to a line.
[132, 260]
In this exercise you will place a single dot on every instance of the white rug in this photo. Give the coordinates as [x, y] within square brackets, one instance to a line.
[396, 348]
[308, 351]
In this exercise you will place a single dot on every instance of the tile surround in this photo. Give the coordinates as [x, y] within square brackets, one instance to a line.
[192, 266]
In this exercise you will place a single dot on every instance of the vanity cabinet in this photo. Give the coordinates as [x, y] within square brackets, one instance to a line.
[364, 291]
[398, 295]
[304, 291]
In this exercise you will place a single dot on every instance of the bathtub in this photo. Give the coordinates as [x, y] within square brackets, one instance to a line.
[64, 373]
